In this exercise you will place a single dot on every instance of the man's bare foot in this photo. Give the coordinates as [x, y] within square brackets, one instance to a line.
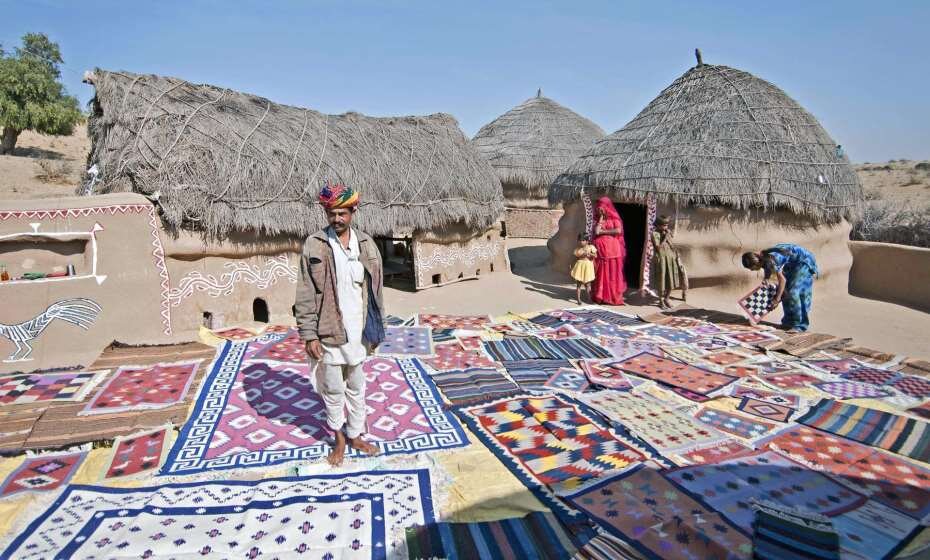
[339, 450]
[363, 446]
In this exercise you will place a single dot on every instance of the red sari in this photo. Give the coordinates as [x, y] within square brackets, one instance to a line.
[609, 283]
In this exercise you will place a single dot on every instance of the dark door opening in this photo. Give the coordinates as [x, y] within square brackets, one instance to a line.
[260, 310]
[634, 233]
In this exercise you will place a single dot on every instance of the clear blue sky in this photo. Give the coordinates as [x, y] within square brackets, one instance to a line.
[863, 68]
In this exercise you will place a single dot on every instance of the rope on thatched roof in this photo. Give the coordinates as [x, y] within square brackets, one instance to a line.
[533, 142]
[718, 135]
[220, 161]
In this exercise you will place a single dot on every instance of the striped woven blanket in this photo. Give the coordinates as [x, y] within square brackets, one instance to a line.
[472, 385]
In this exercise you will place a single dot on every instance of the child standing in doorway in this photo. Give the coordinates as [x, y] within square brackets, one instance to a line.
[583, 269]
[668, 268]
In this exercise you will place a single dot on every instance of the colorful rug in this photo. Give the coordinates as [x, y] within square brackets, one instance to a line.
[254, 414]
[805, 344]
[736, 424]
[922, 410]
[539, 535]
[753, 337]
[531, 375]
[670, 334]
[838, 367]
[443, 335]
[289, 349]
[567, 379]
[600, 328]
[686, 354]
[550, 321]
[779, 533]
[674, 373]
[473, 385]
[450, 356]
[603, 375]
[460, 322]
[868, 374]
[713, 343]
[43, 387]
[645, 509]
[144, 387]
[138, 454]
[622, 349]
[551, 442]
[765, 409]
[729, 487]
[560, 333]
[42, 473]
[618, 319]
[851, 390]
[470, 343]
[740, 371]
[535, 348]
[234, 333]
[347, 516]
[653, 421]
[729, 449]
[916, 387]
[790, 380]
[725, 358]
[906, 436]
[783, 399]
[406, 341]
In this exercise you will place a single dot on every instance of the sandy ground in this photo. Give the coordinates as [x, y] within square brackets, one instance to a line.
[532, 286]
[18, 172]
[898, 180]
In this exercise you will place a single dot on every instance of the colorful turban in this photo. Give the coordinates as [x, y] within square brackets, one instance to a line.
[337, 196]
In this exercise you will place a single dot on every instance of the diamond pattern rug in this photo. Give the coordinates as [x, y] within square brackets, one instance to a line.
[567, 379]
[851, 390]
[43, 387]
[736, 424]
[450, 356]
[916, 387]
[42, 473]
[347, 516]
[144, 388]
[868, 374]
[790, 380]
[674, 373]
[765, 409]
[258, 413]
[138, 453]
[603, 375]
[727, 450]
[461, 322]
[407, 341]
[235, 333]
[289, 349]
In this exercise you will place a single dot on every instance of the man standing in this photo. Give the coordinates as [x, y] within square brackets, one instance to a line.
[339, 315]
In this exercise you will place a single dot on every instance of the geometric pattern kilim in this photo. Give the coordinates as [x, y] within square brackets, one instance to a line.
[41, 387]
[553, 443]
[348, 516]
[253, 414]
[42, 473]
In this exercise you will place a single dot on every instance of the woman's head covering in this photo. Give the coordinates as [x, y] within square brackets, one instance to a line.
[336, 196]
[604, 203]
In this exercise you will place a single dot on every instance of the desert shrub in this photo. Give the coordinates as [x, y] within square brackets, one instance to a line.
[52, 171]
[923, 166]
[887, 221]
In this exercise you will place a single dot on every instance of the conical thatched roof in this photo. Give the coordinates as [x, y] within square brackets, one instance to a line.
[533, 142]
[720, 136]
[221, 161]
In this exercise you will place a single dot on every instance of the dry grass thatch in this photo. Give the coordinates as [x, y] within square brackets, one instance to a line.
[220, 161]
[718, 135]
[529, 145]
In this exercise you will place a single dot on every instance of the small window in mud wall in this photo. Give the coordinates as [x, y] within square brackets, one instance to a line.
[260, 310]
[31, 256]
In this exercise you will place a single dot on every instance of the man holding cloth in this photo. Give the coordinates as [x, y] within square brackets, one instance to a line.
[339, 315]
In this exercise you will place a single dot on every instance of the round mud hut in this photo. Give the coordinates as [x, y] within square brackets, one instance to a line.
[528, 146]
[234, 178]
[737, 163]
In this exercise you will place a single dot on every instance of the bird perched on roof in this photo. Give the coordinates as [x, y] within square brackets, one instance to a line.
[80, 312]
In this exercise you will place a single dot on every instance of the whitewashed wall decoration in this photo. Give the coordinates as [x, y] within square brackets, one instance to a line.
[261, 277]
[39, 236]
[80, 312]
[480, 251]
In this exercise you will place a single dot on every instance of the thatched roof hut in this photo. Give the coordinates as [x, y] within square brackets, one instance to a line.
[718, 135]
[220, 161]
[529, 145]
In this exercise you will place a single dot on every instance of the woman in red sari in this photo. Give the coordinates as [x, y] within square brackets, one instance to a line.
[609, 283]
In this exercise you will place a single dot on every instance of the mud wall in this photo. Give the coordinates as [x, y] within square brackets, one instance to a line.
[532, 223]
[456, 254]
[889, 272]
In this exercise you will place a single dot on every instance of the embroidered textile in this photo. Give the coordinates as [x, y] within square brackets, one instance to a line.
[137, 453]
[674, 373]
[53, 386]
[892, 432]
[144, 387]
[645, 509]
[406, 341]
[653, 421]
[252, 414]
[451, 356]
[346, 516]
[567, 379]
[551, 442]
[460, 322]
[780, 533]
[736, 424]
[462, 387]
[539, 535]
[765, 409]
[851, 390]
[729, 487]
[42, 473]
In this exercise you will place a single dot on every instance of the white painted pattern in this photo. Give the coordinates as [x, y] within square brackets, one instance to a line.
[478, 251]
[261, 277]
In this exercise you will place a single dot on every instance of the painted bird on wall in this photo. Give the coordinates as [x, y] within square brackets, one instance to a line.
[80, 312]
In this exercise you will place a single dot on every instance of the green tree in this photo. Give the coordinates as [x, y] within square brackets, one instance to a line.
[31, 94]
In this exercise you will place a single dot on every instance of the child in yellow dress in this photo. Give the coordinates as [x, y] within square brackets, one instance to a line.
[583, 269]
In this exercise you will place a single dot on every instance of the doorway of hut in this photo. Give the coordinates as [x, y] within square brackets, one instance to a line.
[634, 233]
